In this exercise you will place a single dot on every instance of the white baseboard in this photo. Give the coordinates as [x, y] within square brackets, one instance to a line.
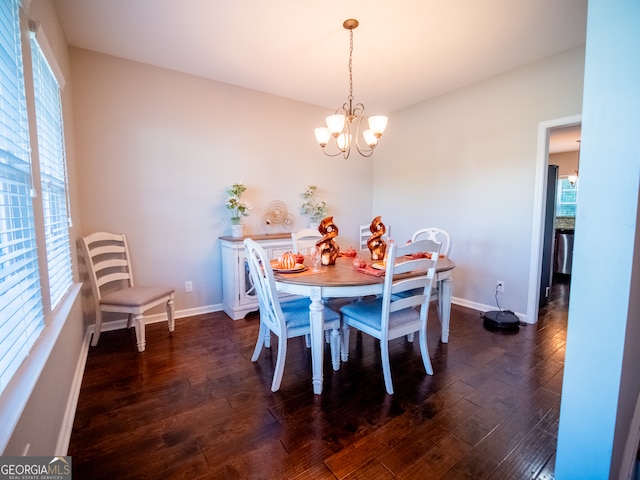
[481, 307]
[64, 437]
[159, 317]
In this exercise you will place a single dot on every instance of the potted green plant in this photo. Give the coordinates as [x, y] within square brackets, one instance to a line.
[316, 210]
[239, 209]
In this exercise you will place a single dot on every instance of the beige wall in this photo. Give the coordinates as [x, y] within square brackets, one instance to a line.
[567, 162]
[157, 149]
[465, 161]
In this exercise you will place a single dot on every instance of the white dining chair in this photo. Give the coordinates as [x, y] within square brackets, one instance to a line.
[287, 319]
[364, 234]
[437, 234]
[391, 316]
[111, 277]
[305, 239]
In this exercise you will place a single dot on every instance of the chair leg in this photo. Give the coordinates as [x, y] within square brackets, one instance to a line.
[140, 333]
[334, 335]
[307, 340]
[424, 349]
[344, 343]
[97, 328]
[130, 319]
[386, 368]
[279, 370]
[171, 315]
[410, 337]
[260, 342]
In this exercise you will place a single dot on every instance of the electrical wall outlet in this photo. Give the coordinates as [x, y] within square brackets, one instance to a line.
[500, 286]
[188, 286]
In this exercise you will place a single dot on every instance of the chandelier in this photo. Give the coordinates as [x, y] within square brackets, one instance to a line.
[344, 125]
[573, 179]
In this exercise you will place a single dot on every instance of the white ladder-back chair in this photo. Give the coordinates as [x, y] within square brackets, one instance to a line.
[364, 234]
[287, 319]
[305, 239]
[436, 234]
[111, 277]
[393, 316]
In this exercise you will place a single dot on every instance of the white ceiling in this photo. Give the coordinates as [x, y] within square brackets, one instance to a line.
[405, 51]
[565, 139]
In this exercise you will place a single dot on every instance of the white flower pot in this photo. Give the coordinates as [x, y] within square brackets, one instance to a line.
[237, 231]
[313, 224]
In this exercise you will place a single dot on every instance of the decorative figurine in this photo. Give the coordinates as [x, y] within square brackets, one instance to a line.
[376, 244]
[329, 249]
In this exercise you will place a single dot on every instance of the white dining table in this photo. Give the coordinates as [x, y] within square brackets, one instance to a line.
[342, 280]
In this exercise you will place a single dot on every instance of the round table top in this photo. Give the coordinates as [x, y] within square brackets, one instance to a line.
[343, 274]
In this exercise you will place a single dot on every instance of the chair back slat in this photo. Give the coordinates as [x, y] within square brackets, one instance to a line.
[112, 277]
[107, 250]
[364, 234]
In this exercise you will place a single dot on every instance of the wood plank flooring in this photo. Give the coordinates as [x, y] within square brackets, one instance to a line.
[194, 406]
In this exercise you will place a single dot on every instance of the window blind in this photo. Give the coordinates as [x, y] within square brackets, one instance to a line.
[51, 153]
[21, 311]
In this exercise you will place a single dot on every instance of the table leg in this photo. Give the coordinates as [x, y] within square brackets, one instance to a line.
[316, 314]
[445, 289]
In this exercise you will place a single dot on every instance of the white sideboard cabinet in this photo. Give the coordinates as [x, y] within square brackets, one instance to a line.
[238, 295]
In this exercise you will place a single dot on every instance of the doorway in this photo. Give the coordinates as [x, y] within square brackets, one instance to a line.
[553, 136]
[560, 209]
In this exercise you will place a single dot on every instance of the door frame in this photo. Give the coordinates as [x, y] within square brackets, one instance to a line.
[540, 189]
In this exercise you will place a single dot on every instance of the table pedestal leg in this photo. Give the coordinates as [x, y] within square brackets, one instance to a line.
[316, 314]
[445, 288]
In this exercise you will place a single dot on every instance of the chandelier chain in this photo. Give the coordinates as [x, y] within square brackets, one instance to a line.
[350, 66]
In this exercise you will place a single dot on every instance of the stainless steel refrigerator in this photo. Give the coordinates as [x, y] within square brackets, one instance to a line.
[549, 234]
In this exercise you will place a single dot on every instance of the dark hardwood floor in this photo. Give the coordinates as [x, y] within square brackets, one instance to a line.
[194, 406]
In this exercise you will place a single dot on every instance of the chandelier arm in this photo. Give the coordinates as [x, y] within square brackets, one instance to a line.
[339, 152]
[367, 151]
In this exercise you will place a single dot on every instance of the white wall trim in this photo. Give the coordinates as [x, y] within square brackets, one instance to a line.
[38, 33]
[482, 308]
[62, 446]
[537, 232]
[157, 318]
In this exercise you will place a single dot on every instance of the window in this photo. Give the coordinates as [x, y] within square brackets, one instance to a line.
[21, 312]
[566, 198]
[53, 174]
[24, 306]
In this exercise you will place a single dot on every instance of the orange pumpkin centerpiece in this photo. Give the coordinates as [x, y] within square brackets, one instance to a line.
[288, 260]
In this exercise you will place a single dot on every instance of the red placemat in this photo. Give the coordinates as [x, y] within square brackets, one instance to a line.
[369, 270]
